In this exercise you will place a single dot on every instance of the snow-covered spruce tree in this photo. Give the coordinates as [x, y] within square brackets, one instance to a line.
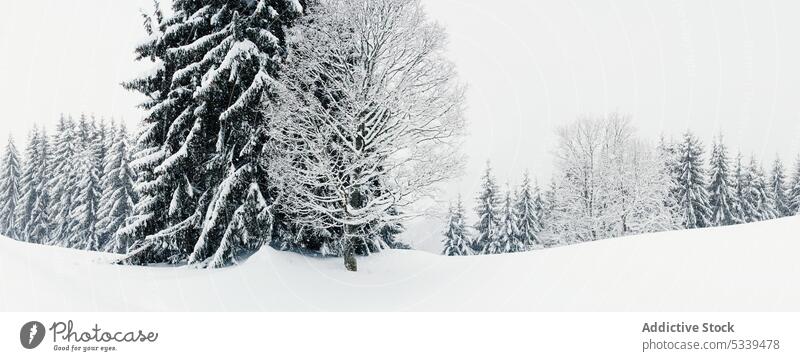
[389, 230]
[39, 229]
[63, 180]
[28, 186]
[757, 196]
[528, 209]
[456, 240]
[667, 152]
[162, 133]
[83, 217]
[539, 204]
[721, 194]
[203, 143]
[31, 185]
[692, 196]
[794, 190]
[10, 178]
[487, 240]
[371, 119]
[742, 209]
[118, 196]
[778, 190]
[84, 131]
[553, 198]
[508, 234]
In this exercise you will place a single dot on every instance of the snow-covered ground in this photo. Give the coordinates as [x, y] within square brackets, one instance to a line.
[740, 268]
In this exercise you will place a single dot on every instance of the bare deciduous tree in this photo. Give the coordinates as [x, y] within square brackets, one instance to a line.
[372, 116]
[609, 183]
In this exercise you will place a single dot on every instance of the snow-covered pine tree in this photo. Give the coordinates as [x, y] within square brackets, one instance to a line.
[100, 139]
[33, 221]
[487, 240]
[63, 175]
[528, 210]
[794, 190]
[28, 189]
[118, 196]
[508, 234]
[721, 194]
[666, 150]
[85, 131]
[40, 226]
[692, 196]
[456, 240]
[778, 190]
[203, 143]
[162, 133]
[83, 217]
[389, 230]
[757, 195]
[743, 210]
[10, 178]
[541, 206]
[29, 186]
[550, 235]
[110, 138]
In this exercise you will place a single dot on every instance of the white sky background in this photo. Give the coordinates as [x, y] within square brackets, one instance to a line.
[530, 66]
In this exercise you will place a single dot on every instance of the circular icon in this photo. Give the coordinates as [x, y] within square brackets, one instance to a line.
[31, 334]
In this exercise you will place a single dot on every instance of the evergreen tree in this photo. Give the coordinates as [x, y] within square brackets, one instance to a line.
[102, 139]
[691, 184]
[508, 235]
[389, 230]
[118, 195]
[30, 211]
[156, 140]
[539, 205]
[488, 209]
[456, 241]
[550, 235]
[721, 195]
[63, 177]
[794, 191]
[40, 227]
[778, 190]
[528, 209]
[760, 204]
[83, 226]
[743, 210]
[10, 177]
[203, 143]
[667, 151]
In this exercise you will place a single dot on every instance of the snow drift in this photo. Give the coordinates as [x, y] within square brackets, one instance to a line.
[751, 267]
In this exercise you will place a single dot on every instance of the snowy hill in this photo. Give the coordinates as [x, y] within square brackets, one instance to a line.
[739, 268]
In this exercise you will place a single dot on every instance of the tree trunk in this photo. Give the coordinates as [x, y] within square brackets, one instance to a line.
[351, 234]
[349, 254]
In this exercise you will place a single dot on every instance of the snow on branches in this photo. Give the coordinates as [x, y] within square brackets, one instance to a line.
[371, 120]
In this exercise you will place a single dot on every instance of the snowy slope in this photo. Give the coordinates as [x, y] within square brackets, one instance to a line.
[747, 267]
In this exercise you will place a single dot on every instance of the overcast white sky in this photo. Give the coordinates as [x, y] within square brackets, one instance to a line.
[530, 66]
